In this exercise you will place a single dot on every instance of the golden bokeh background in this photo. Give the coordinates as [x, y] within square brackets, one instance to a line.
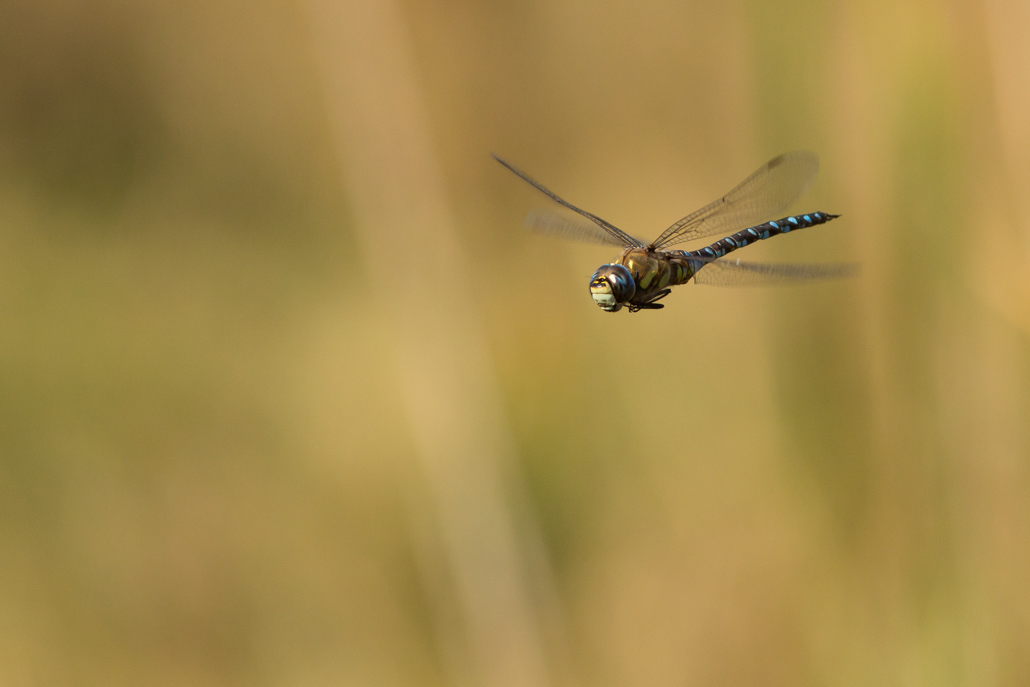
[288, 396]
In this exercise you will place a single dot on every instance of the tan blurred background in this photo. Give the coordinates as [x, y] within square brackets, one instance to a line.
[287, 396]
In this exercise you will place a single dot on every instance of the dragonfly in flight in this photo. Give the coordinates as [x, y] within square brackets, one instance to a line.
[644, 272]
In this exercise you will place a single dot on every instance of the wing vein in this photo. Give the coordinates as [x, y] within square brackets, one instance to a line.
[729, 272]
[768, 191]
[622, 237]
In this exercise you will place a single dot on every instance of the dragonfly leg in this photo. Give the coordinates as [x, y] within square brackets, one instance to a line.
[651, 303]
[659, 296]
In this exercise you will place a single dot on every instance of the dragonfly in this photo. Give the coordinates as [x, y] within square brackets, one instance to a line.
[644, 272]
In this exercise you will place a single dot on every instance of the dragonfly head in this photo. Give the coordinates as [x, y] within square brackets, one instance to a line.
[612, 287]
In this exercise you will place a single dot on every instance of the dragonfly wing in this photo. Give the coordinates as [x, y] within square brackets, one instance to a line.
[736, 273]
[621, 238]
[568, 226]
[767, 192]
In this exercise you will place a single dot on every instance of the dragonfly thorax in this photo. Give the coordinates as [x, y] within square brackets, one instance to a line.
[612, 286]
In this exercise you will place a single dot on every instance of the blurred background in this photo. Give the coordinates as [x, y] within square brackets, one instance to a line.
[289, 397]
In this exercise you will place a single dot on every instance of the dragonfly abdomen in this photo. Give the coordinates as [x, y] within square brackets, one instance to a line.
[761, 231]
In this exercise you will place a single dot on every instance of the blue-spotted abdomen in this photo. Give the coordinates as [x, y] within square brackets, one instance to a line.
[761, 231]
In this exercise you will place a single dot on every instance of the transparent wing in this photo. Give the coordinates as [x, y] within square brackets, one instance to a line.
[727, 272]
[760, 197]
[621, 238]
[568, 226]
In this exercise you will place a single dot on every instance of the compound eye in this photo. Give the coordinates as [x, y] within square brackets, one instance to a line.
[622, 282]
[612, 286]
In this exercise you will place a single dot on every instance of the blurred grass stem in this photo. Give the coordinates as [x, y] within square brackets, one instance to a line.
[416, 270]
